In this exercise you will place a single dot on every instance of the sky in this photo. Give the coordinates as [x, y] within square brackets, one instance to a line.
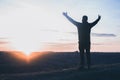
[38, 25]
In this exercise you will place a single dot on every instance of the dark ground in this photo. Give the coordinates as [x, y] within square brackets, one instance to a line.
[60, 66]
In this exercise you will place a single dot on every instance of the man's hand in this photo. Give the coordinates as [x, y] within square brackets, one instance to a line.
[65, 13]
[99, 16]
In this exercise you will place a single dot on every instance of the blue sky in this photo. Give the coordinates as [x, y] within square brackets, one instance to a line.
[28, 22]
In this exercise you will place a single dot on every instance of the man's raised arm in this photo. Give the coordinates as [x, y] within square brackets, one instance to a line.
[70, 19]
[96, 21]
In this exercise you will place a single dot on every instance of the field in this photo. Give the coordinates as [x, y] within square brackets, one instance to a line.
[59, 66]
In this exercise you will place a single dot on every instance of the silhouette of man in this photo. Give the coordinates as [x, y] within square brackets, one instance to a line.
[84, 30]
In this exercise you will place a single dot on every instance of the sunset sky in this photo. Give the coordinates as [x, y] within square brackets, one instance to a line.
[38, 25]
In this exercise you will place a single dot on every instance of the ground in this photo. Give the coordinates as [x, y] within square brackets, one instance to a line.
[105, 66]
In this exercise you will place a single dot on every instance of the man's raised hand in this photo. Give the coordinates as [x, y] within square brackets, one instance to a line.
[65, 13]
[99, 16]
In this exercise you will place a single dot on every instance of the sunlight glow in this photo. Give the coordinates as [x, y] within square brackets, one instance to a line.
[33, 25]
[26, 29]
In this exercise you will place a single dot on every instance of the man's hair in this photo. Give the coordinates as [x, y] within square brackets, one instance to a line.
[84, 18]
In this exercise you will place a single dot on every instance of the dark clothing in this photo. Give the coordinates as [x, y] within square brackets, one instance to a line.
[84, 35]
[84, 30]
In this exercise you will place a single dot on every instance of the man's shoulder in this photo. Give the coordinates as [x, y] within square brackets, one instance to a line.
[78, 24]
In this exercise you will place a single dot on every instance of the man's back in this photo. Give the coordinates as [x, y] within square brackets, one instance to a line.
[84, 30]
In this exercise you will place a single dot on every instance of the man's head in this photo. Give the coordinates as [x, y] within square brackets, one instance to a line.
[84, 18]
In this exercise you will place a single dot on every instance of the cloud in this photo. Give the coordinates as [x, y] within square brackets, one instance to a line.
[74, 33]
[61, 46]
[96, 44]
[97, 34]
[3, 40]
[103, 35]
[50, 30]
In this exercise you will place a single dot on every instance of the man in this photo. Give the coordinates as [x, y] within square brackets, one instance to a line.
[84, 30]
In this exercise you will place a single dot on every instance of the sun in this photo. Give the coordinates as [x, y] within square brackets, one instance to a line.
[26, 45]
[27, 52]
[31, 29]
[26, 49]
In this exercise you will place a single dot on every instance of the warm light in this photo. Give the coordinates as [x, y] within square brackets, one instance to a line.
[26, 48]
[30, 27]
[19, 55]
